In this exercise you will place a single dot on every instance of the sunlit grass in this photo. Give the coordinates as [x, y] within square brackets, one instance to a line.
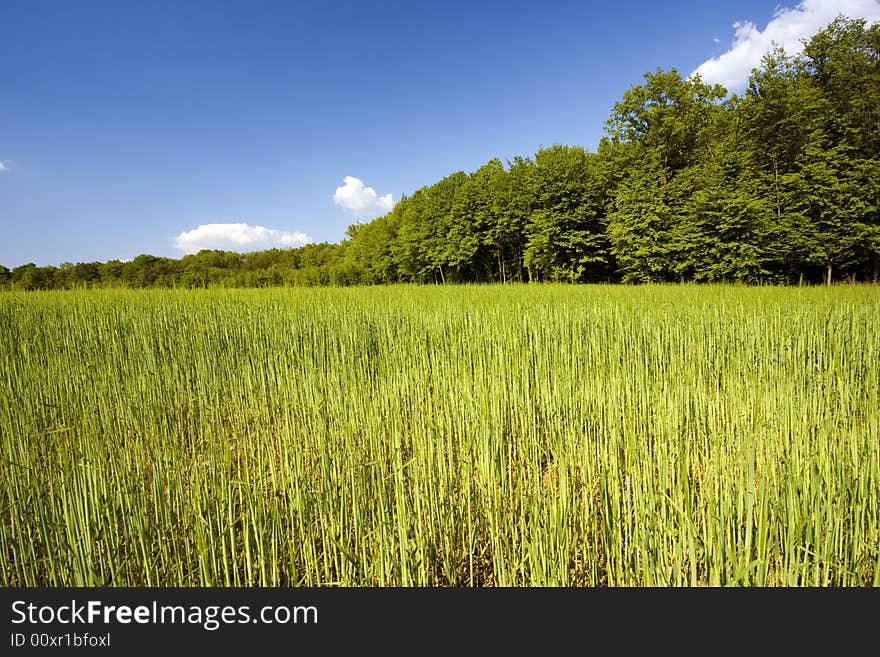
[518, 435]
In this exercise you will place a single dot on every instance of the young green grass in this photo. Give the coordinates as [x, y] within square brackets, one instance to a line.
[423, 436]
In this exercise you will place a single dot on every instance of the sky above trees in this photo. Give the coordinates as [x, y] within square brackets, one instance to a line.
[160, 128]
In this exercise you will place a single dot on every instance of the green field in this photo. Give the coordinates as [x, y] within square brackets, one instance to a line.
[471, 435]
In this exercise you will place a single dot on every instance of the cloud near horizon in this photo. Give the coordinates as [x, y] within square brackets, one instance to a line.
[787, 27]
[361, 201]
[237, 237]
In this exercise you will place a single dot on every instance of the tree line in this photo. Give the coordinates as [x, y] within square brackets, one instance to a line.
[780, 184]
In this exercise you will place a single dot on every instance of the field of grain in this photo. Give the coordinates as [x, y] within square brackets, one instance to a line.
[471, 436]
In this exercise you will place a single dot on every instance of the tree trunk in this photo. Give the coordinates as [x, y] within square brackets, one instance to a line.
[519, 261]
[776, 188]
[501, 269]
[828, 280]
[876, 267]
[442, 277]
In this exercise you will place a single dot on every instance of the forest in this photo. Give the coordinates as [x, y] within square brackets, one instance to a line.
[778, 185]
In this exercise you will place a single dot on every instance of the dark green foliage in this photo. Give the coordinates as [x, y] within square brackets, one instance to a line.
[779, 185]
[567, 238]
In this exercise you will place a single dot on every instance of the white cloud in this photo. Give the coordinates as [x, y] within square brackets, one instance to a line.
[237, 237]
[361, 201]
[788, 26]
[3, 167]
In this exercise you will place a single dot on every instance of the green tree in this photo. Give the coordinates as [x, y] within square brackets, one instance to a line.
[566, 232]
[664, 127]
[843, 61]
[29, 277]
[421, 252]
[666, 116]
[475, 242]
[517, 203]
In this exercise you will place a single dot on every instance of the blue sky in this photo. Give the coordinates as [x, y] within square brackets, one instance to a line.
[127, 126]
